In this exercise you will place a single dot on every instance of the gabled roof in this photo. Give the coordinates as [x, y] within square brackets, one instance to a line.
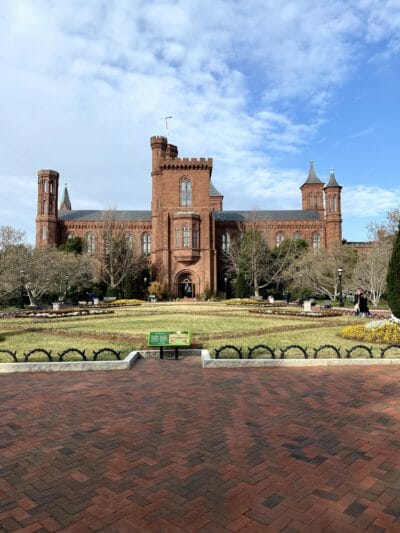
[332, 181]
[246, 216]
[312, 178]
[98, 215]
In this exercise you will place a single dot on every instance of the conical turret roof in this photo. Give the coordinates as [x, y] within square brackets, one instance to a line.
[332, 180]
[312, 178]
[65, 202]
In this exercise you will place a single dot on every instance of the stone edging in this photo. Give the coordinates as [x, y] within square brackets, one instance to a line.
[70, 366]
[207, 362]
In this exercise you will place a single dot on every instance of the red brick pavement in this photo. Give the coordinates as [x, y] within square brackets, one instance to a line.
[171, 447]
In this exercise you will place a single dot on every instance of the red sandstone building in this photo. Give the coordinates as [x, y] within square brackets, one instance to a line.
[187, 232]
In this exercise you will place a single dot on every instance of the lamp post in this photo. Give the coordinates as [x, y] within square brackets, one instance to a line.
[144, 286]
[226, 286]
[21, 301]
[301, 289]
[340, 274]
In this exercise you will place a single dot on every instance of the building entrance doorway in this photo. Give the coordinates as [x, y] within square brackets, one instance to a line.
[186, 288]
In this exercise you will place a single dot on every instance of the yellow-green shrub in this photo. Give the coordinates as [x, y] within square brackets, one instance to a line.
[126, 301]
[385, 334]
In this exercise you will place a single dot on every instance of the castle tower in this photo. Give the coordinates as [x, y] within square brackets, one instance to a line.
[312, 196]
[183, 252]
[333, 211]
[46, 219]
[65, 202]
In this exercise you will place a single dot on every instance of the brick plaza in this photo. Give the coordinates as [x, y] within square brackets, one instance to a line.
[169, 446]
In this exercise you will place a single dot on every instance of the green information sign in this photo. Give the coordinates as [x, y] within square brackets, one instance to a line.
[168, 338]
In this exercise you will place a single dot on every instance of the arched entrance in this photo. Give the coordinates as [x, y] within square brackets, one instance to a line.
[186, 287]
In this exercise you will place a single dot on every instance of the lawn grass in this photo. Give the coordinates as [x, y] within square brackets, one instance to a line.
[212, 325]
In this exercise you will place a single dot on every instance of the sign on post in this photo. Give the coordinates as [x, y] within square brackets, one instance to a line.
[169, 338]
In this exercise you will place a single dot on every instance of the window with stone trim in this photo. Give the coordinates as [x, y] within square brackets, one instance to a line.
[146, 244]
[44, 233]
[297, 236]
[185, 192]
[279, 238]
[90, 243]
[226, 243]
[186, 237]
[316, 241]
[195, 236]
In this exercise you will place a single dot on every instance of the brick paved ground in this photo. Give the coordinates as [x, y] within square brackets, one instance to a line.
[169, 446]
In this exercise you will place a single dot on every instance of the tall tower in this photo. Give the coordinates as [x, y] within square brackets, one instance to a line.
[312, 196]
[46, 219]
[333, 211]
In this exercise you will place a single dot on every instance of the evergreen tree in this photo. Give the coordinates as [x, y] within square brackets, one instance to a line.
[241, 290]
[393, 278]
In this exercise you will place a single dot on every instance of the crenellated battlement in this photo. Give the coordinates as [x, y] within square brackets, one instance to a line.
[47, 172]
[188, 163]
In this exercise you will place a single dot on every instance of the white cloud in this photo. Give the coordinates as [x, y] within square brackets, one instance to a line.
[361, 201]
[85, 84]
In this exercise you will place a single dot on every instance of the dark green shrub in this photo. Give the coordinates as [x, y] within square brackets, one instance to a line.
[393, 278]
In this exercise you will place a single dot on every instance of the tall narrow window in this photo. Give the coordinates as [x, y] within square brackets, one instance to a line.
[44, 207]
[297, 236]
[279, 238]
[146, 244]
[186, 237]
[178, 237]
[45, 186]
[44, 233]
[90, 241]
[226, 243]
[51, 187]
[186, 192]
[316, 241]
[195, 238]
[129, 240]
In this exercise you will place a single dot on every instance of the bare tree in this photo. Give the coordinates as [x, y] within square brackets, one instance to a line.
[317, 271]
[371, 270]
[260, 266]
[380, 231]
[120, 257]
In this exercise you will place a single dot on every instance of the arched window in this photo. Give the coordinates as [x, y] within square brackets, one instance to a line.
[310, 200]
[70, 235]
[279, 238]
[146, 244]
[45, 186]
[51, 187]
[90, 241]
[44, 233]
[186, 237]
[316, 241]
[195, 236]
[226, 243]
[297, 236]
[44, 207]
[185, 192]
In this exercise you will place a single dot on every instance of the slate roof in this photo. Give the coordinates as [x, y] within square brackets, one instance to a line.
[213, 190]
[65, 199]
[243, 216]
[332, 181]
[90, 215]
[312, 177]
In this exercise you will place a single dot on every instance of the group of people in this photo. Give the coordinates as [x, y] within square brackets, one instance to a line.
[361, 303]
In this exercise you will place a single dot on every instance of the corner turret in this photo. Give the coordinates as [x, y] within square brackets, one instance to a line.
[46, 219]
[312, 191]
[333, 210]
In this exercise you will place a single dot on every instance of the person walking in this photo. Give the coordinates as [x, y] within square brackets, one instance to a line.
[361, 303]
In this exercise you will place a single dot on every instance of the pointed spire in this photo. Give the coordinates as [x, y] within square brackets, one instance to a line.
[332, 180]
[65, 202]
[312, 177]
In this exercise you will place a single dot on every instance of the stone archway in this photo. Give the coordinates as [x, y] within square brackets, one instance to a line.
[186, 286]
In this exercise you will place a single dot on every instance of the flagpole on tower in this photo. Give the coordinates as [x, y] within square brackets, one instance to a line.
[166, 124]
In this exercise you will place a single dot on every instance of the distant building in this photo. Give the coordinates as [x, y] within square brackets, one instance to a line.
[186, 233]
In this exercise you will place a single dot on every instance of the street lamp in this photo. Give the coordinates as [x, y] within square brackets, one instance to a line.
[21, 301]
[226, 279]
[340, 274]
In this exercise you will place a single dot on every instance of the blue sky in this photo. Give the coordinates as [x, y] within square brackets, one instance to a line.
[261, 88]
